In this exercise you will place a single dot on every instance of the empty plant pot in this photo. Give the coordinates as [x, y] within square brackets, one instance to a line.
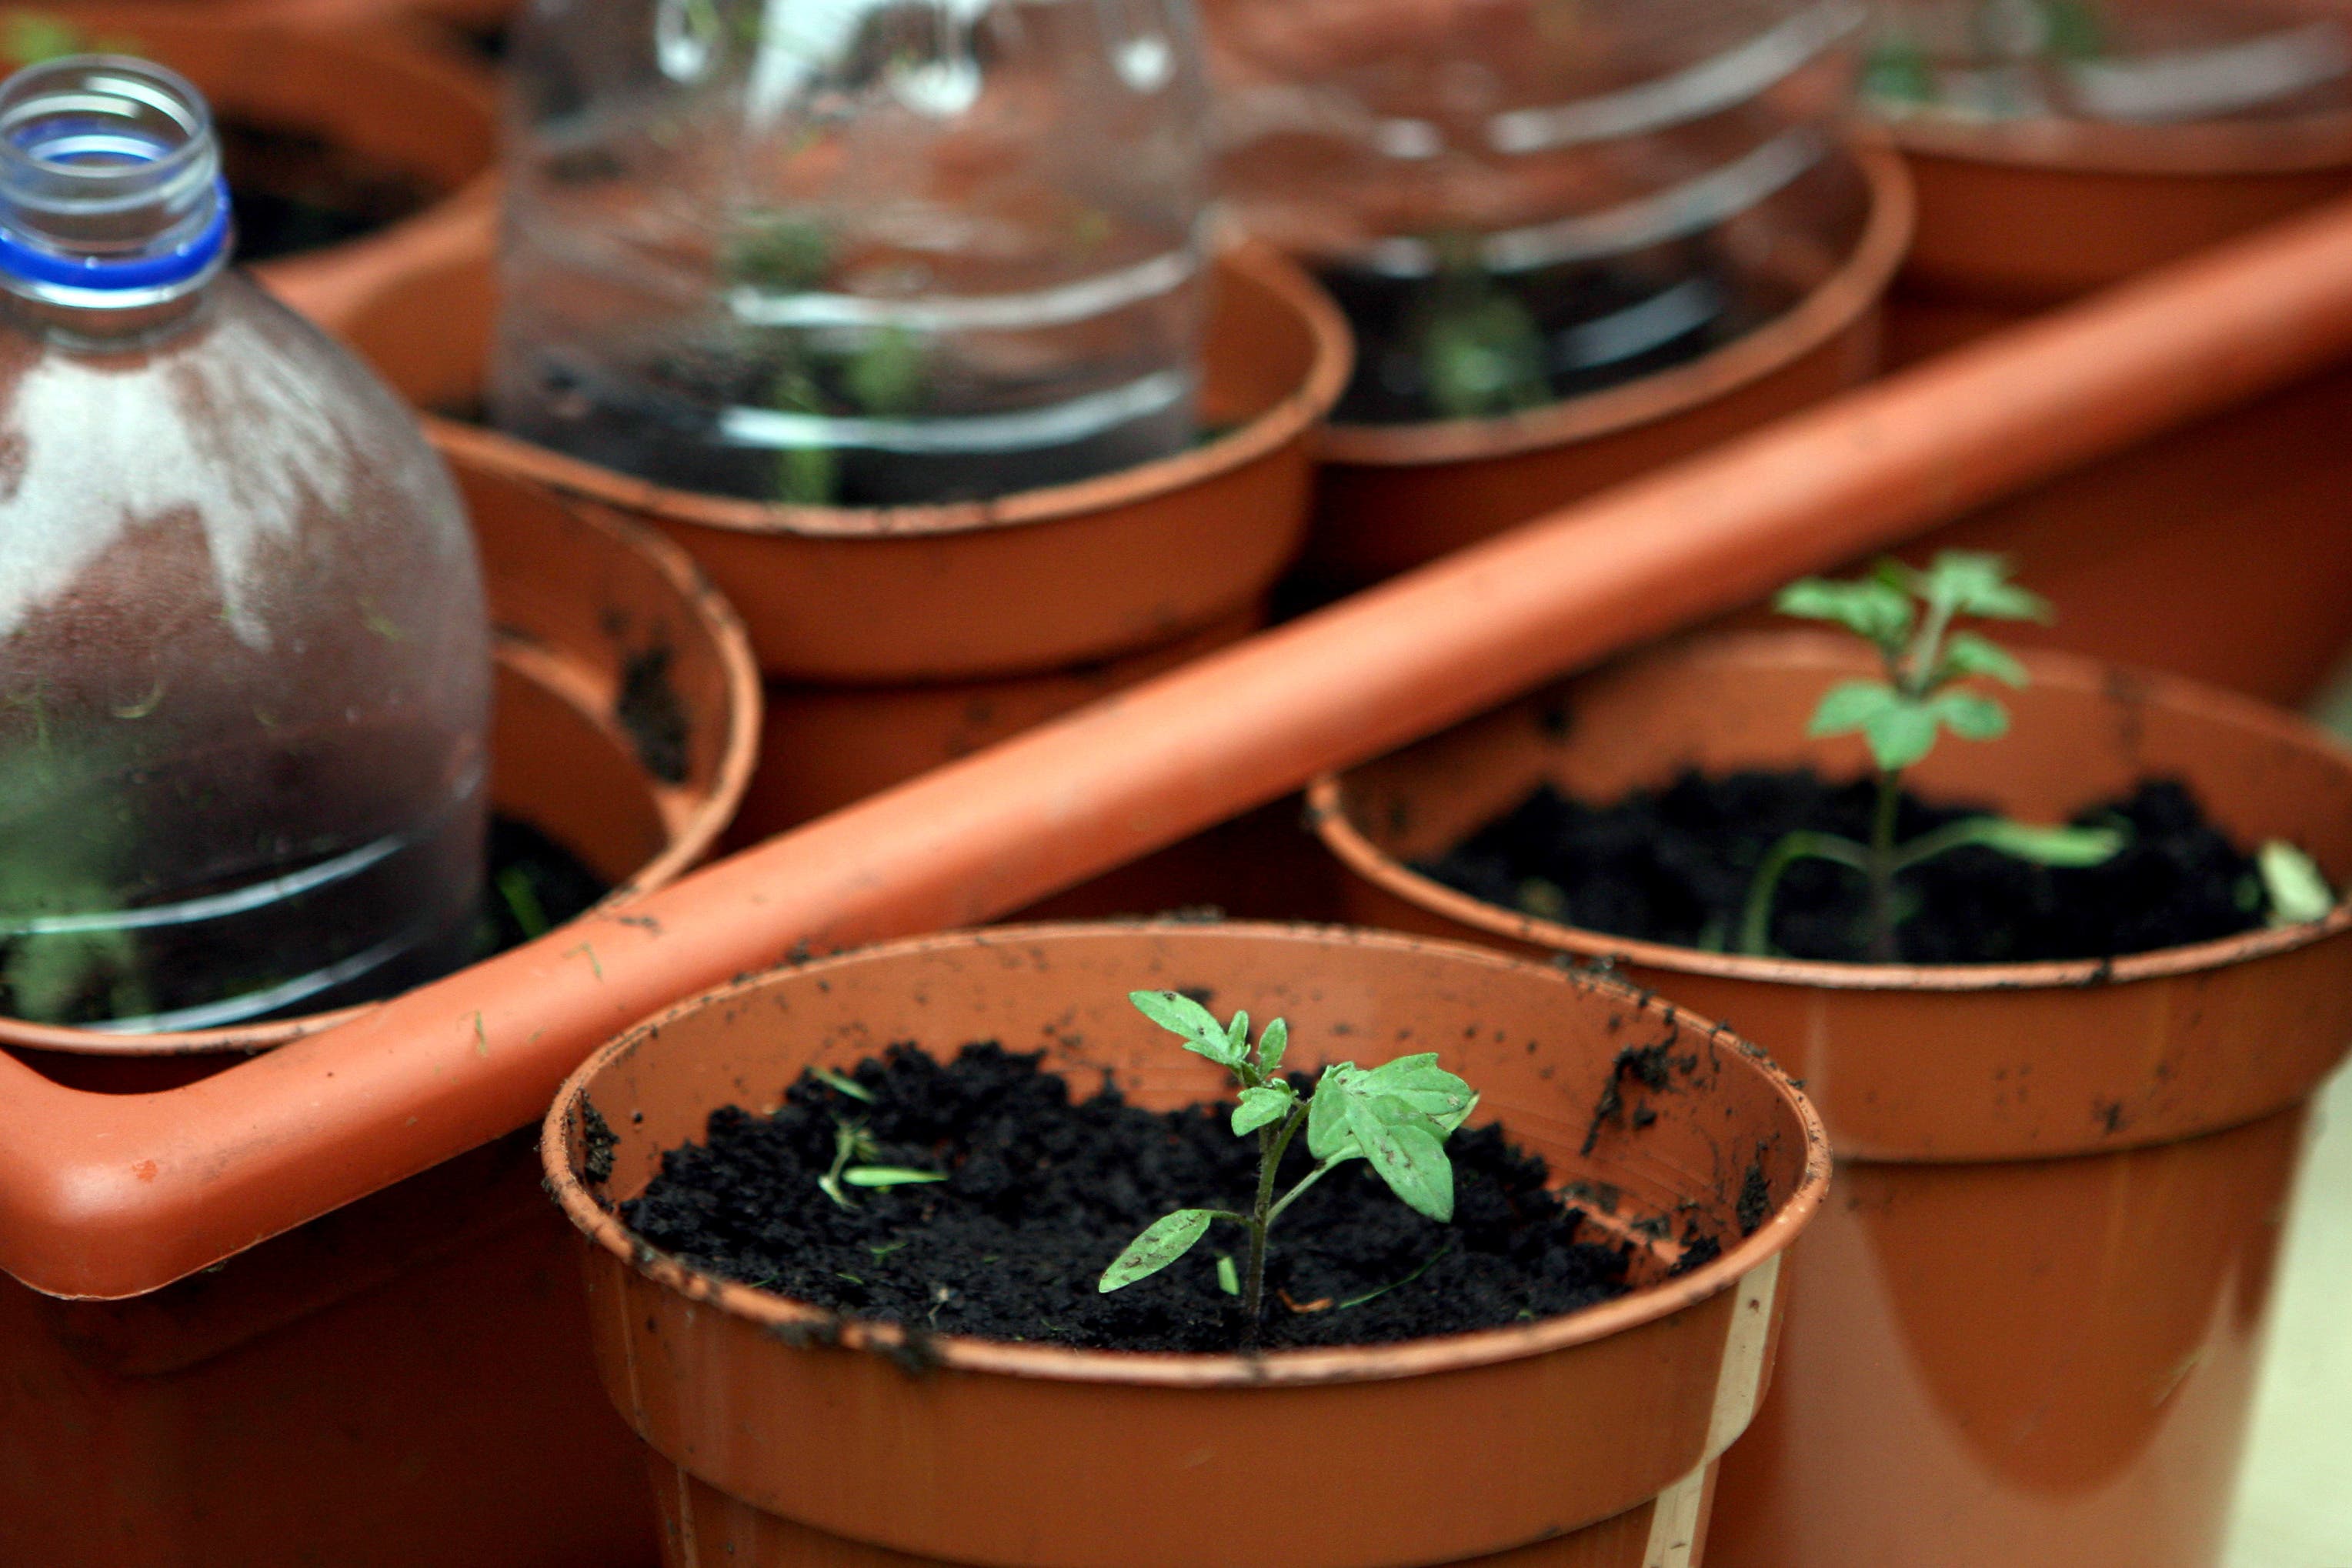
[1586, 1439]
[348, 147]
[2024, 1331]
[1390, 498]
[404, 1381]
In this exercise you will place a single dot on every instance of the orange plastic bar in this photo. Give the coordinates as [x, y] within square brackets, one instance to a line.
[109, 1196]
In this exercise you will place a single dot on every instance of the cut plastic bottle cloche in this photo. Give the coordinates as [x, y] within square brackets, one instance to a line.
[244, 659]
[855, 252]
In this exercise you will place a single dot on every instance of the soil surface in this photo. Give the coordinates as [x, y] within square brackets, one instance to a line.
[1043, 1194]
[1675, 865]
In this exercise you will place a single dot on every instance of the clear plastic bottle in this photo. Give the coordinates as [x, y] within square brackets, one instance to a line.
[855, 252]
[1516, 201]
[244, 656]
[2144, 62]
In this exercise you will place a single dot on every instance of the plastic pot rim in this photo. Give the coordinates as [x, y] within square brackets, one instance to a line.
[1286, 1368]
[1327, 810]
[1293, 415]
[1829, 309]
[2213, 149]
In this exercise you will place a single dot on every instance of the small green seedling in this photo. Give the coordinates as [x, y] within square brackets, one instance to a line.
[2293, 887]
[1398, 1116]
[853, 1146]
[1907, 615]
[1482, 352]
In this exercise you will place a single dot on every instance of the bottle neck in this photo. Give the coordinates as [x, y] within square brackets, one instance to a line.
[113, 214]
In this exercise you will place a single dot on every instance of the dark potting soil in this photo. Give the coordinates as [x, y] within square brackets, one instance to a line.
[1042, 1194]
[1675, 865]
[292, 191]
[534, 885]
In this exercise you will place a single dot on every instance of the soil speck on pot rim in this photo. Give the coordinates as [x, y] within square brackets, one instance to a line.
[653, 714]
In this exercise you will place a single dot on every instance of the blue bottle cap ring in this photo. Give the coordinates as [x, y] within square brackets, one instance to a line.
[191, 258]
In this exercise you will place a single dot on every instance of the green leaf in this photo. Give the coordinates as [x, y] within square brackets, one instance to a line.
[1237, 1034]
[1405, 1149]
[1422, 1084]
[1483, 353]
[1188, 1021]
[1898, 72]
[2298, 890]
[1448, 1125]
[1229, 1278]
[842, 1083]
[1327, 1134]
[1262, 1107]
[1901, 735]
[1968, 654]
[889, 1176]
[1271, 1046]
[1851, 705]
[1161, 1244]
[2075, 29]
[2064, 847]
[888, 376]
[1871, 608]
[1971, 716]
[1978, 585]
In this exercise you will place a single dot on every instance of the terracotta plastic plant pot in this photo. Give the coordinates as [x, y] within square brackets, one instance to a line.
[1036, 580]
[397, 96]
[1588, 1439]
[1390, 498]
[2030, 214]
[2024, 1331]
[404, 1381]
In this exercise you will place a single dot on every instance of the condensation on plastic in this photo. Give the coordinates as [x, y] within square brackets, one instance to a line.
[852, 252]
[244, 663]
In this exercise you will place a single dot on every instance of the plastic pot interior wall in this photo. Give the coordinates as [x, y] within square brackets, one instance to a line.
[2033, 1311]
[1584, 1440]
[405, 1381]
